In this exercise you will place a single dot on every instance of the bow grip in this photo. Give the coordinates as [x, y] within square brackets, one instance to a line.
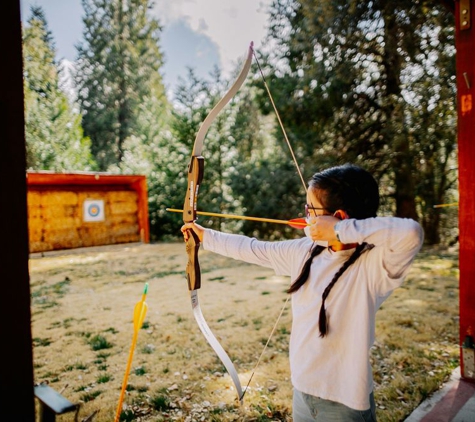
[193, 271]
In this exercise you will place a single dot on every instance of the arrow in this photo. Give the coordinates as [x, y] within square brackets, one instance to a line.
[452, 204]
[296, 223]
[139, 315]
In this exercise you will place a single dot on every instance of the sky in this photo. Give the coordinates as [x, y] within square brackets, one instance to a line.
[200, 34]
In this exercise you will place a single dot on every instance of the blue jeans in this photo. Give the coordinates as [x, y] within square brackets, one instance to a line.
[307, 408]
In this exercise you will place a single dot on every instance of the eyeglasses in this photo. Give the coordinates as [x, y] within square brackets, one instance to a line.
[309, 208]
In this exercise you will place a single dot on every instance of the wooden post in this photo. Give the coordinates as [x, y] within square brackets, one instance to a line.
[465, 60]
[17, 401]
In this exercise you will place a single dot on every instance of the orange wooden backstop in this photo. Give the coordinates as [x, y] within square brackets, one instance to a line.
[85, 209]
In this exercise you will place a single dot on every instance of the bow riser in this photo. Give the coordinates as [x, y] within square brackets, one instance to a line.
[195, 177]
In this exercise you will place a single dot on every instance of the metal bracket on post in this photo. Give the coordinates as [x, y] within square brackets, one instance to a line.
[468, 357]
[52, 403]
[464, 10]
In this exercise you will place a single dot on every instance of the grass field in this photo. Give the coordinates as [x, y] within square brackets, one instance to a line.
[82, 310]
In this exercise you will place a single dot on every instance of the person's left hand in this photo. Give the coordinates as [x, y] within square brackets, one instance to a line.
[199, 230]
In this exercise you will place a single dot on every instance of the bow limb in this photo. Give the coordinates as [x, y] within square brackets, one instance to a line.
[198, 146]
[195, 177]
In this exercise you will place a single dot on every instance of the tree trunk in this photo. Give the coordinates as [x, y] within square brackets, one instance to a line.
[396, 133]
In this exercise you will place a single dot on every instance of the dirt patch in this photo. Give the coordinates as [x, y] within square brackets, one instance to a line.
[82, 310]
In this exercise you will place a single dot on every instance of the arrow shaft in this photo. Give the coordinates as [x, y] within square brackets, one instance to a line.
[126, 376]
[237, 217]
[139, 315]
[452, 204]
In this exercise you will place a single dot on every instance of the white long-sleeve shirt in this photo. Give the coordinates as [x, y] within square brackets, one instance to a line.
[335, 367]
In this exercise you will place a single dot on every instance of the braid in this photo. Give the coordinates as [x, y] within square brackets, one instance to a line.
[303, 276]
[322, 320]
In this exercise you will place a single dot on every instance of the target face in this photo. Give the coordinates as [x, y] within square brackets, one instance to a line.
[93, 210]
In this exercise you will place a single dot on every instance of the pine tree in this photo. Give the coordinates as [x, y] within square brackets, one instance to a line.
[117, 73]
[54, 136]
[233, 144]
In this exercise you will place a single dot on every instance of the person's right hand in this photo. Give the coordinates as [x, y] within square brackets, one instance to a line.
[199, 231]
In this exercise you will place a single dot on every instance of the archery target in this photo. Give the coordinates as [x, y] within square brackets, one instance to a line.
[93, 210]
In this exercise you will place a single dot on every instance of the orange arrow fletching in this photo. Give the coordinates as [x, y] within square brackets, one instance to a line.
[140, 311]
[298, 223]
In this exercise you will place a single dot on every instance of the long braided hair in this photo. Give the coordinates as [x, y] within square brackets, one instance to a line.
[354, 190]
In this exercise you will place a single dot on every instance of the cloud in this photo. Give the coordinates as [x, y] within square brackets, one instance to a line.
[202, 26]
[231, 12]
[169, 12]
[230, 25]
[187, 48]
[197, 33]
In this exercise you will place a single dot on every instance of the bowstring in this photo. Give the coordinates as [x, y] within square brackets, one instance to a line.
[280, 121]
[265, 347]
[244, 391]
[304, 186]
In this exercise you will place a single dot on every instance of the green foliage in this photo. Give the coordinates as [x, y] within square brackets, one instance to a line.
[99, 342]
[127, 415]
[160, 402]
[167, 182]
[139, 371]
[41, 342]
[54, 136]
[104, 378]
[263, 183]
[89, 396]
[433, 133]
[371, 83]
[118, 77]
[234, 145]
[367, 82]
